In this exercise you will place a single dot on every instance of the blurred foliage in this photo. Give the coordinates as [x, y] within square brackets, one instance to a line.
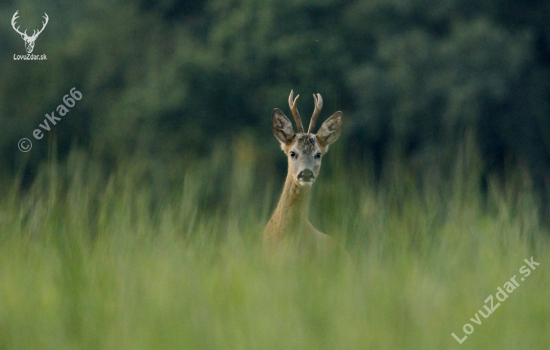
[88, 262]
[176, 79]
[138, 223]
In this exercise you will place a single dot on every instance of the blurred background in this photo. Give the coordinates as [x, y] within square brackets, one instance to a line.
[136, 221]
[169, 82]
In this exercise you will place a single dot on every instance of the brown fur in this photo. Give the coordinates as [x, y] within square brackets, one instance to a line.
[289, 224]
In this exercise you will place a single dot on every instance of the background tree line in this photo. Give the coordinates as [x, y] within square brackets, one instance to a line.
[171, 80]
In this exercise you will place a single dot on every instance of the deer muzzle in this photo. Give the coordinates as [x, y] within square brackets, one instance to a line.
[306, 177]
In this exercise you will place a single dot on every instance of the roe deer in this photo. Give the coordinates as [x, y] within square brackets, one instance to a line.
[304, 151]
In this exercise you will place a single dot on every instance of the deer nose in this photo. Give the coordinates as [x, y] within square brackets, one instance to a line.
[306, 175]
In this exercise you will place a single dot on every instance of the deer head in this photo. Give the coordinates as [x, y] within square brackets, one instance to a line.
[29, 40]
[305, 150]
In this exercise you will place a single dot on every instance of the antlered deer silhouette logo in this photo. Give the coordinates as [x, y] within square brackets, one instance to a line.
[29, 40]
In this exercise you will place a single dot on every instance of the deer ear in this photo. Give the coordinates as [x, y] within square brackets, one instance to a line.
[281, 126]
[330, 130]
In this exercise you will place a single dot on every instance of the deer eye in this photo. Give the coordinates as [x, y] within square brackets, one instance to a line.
[318, 156]
[293, 154]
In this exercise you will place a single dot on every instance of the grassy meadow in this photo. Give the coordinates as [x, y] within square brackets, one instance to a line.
[156, 256]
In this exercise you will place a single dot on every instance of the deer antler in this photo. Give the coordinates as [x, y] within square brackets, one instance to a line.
[13, 19]
[43, 26]
[34, 33]
[318, 106]
[294, 109]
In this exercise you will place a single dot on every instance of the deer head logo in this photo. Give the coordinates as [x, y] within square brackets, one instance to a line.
[29, 40]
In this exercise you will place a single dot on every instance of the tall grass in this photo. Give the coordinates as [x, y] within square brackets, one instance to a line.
[169, 257]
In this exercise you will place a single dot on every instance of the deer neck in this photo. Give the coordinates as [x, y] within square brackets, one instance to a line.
[293, 208]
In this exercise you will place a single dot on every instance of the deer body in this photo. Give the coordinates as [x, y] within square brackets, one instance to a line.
[289, 223]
